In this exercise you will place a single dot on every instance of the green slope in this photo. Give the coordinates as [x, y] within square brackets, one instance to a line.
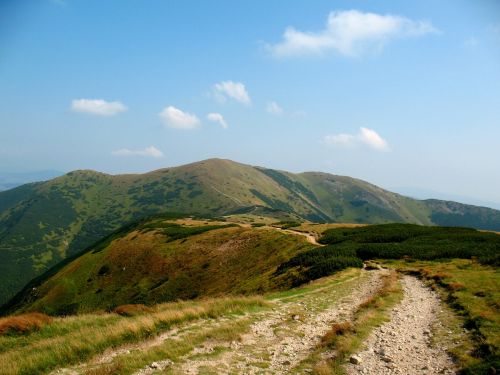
[160, 260]
[43, 223]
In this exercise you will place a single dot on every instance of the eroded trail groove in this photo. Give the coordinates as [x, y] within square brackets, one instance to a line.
[404, 344]
[281, 339]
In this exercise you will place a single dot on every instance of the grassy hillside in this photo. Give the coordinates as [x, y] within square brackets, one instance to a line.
[161, 260]
[44, 223]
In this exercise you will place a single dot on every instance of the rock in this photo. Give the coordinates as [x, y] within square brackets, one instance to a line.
[154, 365]
[286, 363]
[161, 365]
[386, 359]
[296, 317]
[355, 360]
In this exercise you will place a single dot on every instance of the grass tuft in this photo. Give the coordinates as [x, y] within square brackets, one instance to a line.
[338, 329]
[132, 310]
[22, 324]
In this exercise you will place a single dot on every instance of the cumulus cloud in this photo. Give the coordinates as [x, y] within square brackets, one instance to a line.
[274, 109]
[350, 33]
[150, 151]
[217, 117]
[234, 90]
[177, 119]
[368, 137]
[97, 107]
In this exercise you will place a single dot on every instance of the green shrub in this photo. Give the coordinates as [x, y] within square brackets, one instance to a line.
[395, 241]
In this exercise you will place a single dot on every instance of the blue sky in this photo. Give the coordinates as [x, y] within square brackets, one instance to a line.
[400, 93]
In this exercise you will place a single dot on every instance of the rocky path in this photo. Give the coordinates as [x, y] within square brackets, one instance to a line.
[403, 345]
[282, 339]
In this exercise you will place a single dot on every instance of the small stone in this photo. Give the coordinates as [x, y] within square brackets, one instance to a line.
[355, 360]
[295, 317]
[286, 363]
[386, 359]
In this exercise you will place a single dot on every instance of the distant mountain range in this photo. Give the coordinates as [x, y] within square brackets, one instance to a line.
[9, 180]
[43, 223]
[419, 193]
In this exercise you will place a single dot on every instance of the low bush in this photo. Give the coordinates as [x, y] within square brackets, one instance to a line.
[177, 232]
[286, 224]
[132, 310]
[23, 323]
[322, 261]
[408, 241]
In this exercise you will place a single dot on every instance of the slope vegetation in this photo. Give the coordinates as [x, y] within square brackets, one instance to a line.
[161, 260]
[44, 223]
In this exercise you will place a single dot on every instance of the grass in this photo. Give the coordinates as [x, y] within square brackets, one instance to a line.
[144, 266]
[471, 290]
[23, 323]
[174, 349]
[74, 339]
[132, 310]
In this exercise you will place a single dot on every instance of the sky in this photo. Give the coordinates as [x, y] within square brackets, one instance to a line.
[398, 93]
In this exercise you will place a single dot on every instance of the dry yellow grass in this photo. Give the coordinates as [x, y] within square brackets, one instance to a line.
[23, 323]
[77, 338]
[320, 228]
[132, 310]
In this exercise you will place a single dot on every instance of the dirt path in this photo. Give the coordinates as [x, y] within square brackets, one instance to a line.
[283, 338]
[403, 345]
[309, 237]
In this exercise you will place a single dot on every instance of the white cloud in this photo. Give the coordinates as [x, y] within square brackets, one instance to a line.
[274, 109]
[150, 151]
[177, 119]
[349, 33]
[368, 137]
[230, 89]
[97, 107]
[371, 138]
[471, 42]
[217, 117]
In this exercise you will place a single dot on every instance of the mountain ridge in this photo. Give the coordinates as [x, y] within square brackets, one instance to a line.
[43, 223]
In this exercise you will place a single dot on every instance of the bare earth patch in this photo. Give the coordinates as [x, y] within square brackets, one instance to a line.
[403, 345]
[286, 336]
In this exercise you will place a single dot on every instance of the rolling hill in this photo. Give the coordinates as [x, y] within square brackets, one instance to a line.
[160, 260]
[46, 222]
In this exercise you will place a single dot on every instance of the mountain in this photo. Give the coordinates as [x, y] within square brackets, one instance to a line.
[9, 180]
[45, 222]
[419, 193]
[159, 260]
